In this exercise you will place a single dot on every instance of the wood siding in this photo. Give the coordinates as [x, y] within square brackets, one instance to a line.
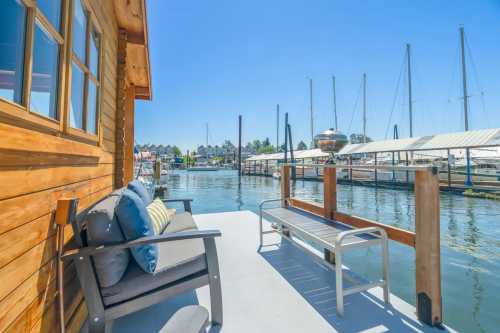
[37, 168]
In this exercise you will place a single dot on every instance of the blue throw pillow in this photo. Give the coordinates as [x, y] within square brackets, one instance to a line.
[135, 223]
[141, 191]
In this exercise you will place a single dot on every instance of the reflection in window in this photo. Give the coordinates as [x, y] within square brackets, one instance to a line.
[76, 107]
[92, 108]
[94, 53]
[52, 11]
[12, 25]
[79, 30]
[43, 98]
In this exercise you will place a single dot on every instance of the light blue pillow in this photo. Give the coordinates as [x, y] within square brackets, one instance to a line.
[141, 191]
[135, 223]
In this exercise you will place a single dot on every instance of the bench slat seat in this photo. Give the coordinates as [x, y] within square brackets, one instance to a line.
[334, 237]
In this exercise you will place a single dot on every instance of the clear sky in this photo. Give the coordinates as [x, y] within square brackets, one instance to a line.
[213, 60]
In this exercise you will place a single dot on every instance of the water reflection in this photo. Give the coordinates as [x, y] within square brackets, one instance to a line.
[470, 236]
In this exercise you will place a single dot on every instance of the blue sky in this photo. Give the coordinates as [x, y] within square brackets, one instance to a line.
[213, 60]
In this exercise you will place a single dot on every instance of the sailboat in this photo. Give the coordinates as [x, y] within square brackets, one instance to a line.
[204, 165]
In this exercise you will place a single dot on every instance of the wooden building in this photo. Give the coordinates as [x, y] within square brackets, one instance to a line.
[70, 71]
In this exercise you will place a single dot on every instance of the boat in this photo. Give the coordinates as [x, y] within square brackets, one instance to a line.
[203, 166]
[276, 175]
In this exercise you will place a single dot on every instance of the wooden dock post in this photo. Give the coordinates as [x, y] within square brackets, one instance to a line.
[329, 202]
[427, 246]
[285, 185]
[330, 192]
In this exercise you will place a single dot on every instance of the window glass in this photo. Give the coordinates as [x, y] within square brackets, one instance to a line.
[92, 108]
[76, 107]
[79, 30]
[94, 53]
[12, 25]
[44, 77]
[52, 11]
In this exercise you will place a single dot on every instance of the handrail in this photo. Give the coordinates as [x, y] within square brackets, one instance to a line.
[432, 168]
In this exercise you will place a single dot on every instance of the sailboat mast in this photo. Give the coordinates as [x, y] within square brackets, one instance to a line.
[364, 107]
[277, 127]
[464, 79]
[468, 180]
[312, 112]
[334, 103]
[410, 99]
[206, 139]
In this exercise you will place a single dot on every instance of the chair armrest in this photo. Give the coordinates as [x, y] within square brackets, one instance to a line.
[187, 203]
[169, 237]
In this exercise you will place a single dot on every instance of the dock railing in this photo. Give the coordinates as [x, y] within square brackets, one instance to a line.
[425, 240]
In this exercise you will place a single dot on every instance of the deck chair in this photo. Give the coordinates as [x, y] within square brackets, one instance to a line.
[137, 290]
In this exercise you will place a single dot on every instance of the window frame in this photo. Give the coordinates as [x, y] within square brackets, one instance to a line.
[20, 114]
[23, 110]
[72, 58]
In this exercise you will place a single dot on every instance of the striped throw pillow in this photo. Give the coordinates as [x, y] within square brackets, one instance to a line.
[160, 215]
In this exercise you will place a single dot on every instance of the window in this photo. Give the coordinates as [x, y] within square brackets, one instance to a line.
[30, 37]
[85, 71]
[12, 38]
[50, 49]
[44, 78]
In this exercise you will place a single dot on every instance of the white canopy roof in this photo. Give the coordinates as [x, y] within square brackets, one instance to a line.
[299, 154]
[459, 140]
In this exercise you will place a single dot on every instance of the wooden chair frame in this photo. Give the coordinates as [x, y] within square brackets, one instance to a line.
[100, 315]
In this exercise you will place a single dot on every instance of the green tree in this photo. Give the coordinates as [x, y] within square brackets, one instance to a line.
[256, 144]
[176, 151]
[266, 149]
[266, 142]
[301, 145]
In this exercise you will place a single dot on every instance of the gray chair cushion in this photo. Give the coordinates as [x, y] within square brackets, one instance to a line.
[181, 222]
[171, 254]
[136, 282]
[103, 229]
[174, 253]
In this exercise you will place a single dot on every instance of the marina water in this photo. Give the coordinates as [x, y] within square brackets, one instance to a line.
[470, 236]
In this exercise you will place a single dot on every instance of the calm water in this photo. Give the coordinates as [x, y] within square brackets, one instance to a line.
[470, 237]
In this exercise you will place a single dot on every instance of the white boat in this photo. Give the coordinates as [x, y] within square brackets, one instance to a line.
[203, 166]
[276, 175]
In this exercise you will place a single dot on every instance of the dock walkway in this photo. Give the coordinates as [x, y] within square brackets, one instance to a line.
[279, 289]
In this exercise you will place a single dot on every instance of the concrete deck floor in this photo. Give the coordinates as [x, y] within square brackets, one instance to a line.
[279, 289]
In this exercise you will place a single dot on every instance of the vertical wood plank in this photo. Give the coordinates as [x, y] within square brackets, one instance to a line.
[427, 246]
[330, 192]
[285, 185]
[128, 152]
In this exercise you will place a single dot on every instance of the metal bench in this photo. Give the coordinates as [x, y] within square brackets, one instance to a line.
[333, 236]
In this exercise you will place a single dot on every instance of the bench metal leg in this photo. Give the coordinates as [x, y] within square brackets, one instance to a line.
[261, 234]
[338, 282]
[385, 269]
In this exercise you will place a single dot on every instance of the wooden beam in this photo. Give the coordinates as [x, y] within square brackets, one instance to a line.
[428, 247]
[310, 207]
[128, 152]
[136, 38]
[396, 234]
[330, 192]
[285, 185]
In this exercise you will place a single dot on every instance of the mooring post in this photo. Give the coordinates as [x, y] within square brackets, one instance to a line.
[427, 247]
[329, 202]
[285, 185]
[330, 192]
